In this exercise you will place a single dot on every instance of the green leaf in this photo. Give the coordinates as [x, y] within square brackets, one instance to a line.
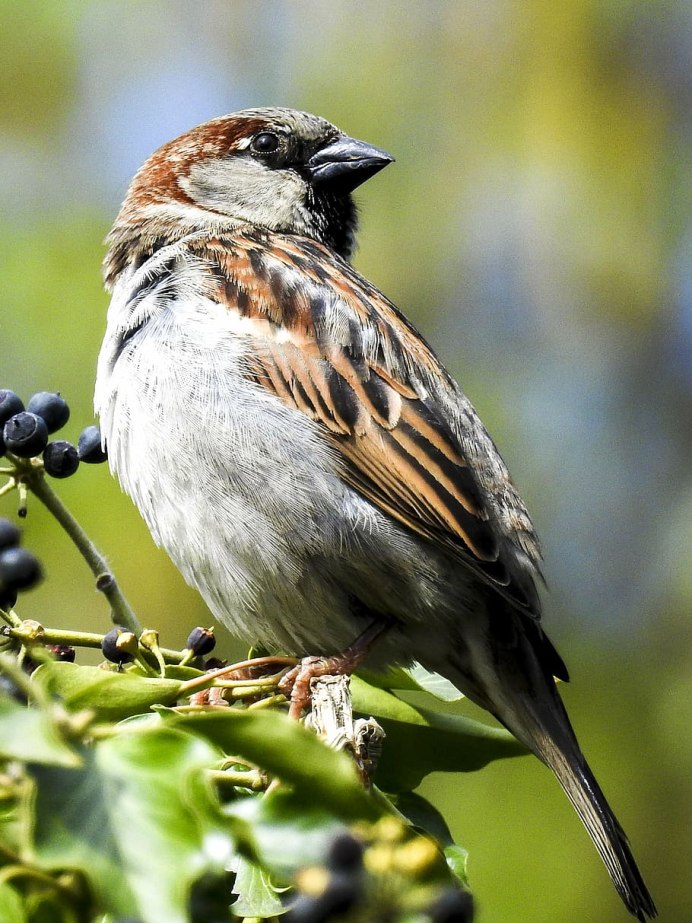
[426, 817]
[457, 859]
[47, 908]
[175, 671]
[393, 678]
[413, 679]
[30, 735]
[284, 748]
[163, 817]
[11, 909]
[16, 817]
[420, 741]
[111, 695]
[286, 831]
[257, 896]
[434, 683]
[137, 820]
[73, 830]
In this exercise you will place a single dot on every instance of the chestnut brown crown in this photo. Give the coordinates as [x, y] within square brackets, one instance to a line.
[287, 171]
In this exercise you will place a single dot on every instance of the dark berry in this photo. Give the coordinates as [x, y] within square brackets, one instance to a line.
[25, 434]
[452, 906]
[340, 895]
[305, 910]
[10, 404]
[8, 599]
[201, 641]
[345, 854]
[51, 407]
[60, 459]
[9, 534]
[115, 642]
[89, 446]
[19, 569]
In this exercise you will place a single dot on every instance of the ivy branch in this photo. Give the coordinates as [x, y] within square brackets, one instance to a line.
[27, 475]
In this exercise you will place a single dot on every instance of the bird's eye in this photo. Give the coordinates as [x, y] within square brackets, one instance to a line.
[266, 142]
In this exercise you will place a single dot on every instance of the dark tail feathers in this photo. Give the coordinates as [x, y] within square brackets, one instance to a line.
[582, 789]
[513, 679]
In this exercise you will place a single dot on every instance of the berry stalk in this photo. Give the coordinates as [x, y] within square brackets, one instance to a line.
[121, 611]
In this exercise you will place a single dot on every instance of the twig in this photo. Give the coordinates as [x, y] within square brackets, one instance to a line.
[30, 871]
[251, 779]
[200, 683]
[332, 719]
[122, 612]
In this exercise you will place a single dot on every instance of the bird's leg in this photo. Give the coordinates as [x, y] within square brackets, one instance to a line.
[298, 679]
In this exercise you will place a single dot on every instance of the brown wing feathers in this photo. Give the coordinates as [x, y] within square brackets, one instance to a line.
[397, 451]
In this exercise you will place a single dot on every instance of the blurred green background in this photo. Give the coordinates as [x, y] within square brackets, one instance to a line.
[537, 227]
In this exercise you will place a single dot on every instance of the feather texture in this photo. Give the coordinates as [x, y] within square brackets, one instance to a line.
[326, 342]
[299, 450]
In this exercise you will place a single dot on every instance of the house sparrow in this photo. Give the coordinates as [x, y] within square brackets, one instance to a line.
[297, 447]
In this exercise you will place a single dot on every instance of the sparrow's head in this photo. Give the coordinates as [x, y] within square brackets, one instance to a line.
[279, 169]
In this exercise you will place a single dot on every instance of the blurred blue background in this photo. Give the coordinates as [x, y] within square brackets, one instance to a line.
[537, 227]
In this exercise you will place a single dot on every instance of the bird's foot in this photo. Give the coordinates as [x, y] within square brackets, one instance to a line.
[296, 683]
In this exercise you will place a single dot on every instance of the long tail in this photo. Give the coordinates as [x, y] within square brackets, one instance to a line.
[562, 754]
[513, 679]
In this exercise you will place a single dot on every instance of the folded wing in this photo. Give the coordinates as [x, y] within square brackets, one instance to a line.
[328, 343]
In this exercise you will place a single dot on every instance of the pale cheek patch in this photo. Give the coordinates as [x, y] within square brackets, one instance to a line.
[245, 190]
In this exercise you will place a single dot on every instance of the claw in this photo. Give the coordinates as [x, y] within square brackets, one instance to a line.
[297, 680]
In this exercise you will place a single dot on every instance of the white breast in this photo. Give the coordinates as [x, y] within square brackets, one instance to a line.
[236, 487]
[245, 493]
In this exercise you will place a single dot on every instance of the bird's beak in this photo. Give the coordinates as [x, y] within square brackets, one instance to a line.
[346, 163]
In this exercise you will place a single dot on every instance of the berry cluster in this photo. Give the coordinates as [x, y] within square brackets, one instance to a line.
[121, 646]
[343, 887]
[24, 433]
[19, 568]
[336, 892]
